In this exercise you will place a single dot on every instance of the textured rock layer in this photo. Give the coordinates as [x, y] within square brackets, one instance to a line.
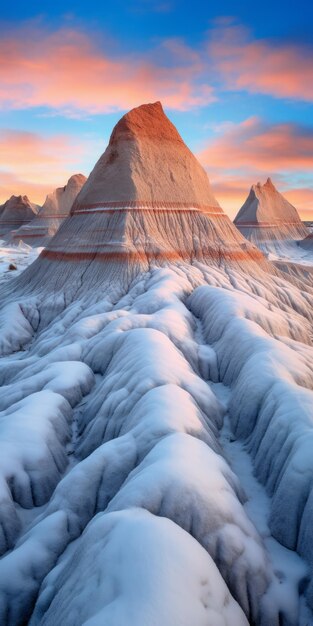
[56, 208]
[266, 216]
[15, 212]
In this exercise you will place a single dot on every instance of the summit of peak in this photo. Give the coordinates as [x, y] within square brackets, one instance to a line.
[18, 200]
[146, 162]
[145, 121]
[259, 188]
[75, 181]
[269, 184]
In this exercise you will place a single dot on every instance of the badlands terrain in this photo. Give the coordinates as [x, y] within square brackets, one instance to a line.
[156, 407]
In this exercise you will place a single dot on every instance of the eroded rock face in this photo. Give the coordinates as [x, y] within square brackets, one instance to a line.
[51, 215]
[267, 217]
[142, 328]
[15, 212]
[146, 165]
[147, 201]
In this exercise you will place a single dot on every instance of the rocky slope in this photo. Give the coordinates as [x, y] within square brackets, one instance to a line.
[15, 212]
[146, 325]
[56, 208]
[268, 220]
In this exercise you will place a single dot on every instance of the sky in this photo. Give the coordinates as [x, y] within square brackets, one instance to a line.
[235, 78]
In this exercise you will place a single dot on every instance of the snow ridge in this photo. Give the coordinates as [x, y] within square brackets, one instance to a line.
[146, 460]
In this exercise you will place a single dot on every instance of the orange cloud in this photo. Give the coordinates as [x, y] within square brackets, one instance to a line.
[34, 165]
[302, 198]
[13, 185]
[259, 147]
[66, 71]
[262, 66]
[244, 153]
[23, 150]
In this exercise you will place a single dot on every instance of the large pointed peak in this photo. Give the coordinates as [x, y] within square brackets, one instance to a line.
[147, 202]
[147, 165]
[146, 120]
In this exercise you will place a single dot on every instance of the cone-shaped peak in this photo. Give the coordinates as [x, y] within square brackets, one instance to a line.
[266, 204]
[266, 214]
[147, 165]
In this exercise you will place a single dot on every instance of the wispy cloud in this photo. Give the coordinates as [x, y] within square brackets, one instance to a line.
[241, 154]
[66, 71]
[71, 72]
[257, 146]
[259, 65]
[34, 164]
[12, 184]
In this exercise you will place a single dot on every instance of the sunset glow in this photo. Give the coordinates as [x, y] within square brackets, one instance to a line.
[241, 96]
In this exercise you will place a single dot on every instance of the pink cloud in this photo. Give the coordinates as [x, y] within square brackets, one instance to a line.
[241, 154]
[302, 198]
[11, 184]
[34, 164]
[261, 66]
[67, 71]
[259, 147]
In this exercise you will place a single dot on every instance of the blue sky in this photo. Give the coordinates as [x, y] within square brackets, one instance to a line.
[231, 76]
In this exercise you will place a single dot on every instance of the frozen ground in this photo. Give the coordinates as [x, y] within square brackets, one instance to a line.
[20, 255]
[156, 455]
[292, 254]
[288, 251]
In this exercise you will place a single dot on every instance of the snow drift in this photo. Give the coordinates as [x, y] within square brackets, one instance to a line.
[145, 322]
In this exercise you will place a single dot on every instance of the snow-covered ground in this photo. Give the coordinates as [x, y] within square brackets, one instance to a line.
[156, 455]
[288, 251]
[20, 256]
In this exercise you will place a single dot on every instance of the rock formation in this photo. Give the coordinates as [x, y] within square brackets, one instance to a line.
[15, 212]
[56, 208]
[147, 201]
[146, 325]
[267, 219]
